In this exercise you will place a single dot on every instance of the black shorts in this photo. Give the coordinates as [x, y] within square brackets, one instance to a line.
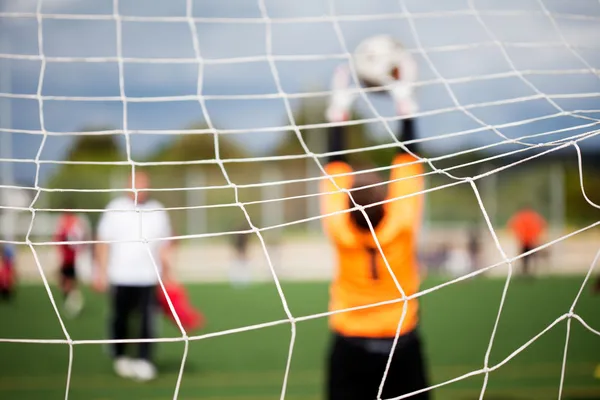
[67, 271]
[356, 367]
[527, 248]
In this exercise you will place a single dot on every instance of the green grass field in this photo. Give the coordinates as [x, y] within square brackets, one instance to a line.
[457, 323]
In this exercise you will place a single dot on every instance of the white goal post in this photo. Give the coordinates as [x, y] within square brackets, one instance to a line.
[509, 82]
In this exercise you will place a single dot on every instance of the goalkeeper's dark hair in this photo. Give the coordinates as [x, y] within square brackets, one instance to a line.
[369, 191]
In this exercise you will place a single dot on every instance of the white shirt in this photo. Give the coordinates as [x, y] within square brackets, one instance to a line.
[129, 263]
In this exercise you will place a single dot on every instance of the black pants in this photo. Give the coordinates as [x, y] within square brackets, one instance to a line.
[67, 273]
[356, 367]
[126, 301]
[527, 260]
[5, 293]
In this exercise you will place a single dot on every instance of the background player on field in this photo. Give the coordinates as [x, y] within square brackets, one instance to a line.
[362, 340]
[239, 273]
[7, 271]
[474, 247]
[126, 266]
[70, 228]
[528, 227]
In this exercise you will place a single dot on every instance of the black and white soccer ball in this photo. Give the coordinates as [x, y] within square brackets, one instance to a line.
[381, 60]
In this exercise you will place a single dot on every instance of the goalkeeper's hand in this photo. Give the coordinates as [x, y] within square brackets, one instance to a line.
[341, 99]
[404, 99]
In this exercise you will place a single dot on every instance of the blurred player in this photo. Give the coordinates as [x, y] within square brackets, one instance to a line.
[474, 247]
[70, 228]
[240, 268]
[127, 267]
[362, 339]
[7, 271]
[528, 227]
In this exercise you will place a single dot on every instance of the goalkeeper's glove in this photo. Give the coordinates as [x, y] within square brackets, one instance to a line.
[341, 99]
[404, 100]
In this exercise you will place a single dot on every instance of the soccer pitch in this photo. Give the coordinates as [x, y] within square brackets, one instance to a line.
[457, 322]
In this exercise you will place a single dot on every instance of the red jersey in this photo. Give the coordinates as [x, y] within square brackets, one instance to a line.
[70, 228]
[528, 226]
[7, 270]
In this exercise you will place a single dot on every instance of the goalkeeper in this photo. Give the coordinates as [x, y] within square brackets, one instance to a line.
[362, 339]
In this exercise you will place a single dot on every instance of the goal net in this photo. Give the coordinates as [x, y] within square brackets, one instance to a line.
[223, 105]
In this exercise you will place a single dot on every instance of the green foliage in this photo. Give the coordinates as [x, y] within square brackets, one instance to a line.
[456, 204]
[86, 148]
[95, 148]
[311, 113]
[193, 147]
[190, 148]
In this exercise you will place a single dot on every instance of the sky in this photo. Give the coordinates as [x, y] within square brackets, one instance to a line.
[536, 48]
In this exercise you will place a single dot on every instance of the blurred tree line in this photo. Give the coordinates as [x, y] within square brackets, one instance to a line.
[527, 183]
[85, 178]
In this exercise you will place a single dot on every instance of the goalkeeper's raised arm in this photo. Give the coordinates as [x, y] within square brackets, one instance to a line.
[362, 339]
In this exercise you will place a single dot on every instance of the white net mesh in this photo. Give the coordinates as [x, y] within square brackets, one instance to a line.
[514, 81]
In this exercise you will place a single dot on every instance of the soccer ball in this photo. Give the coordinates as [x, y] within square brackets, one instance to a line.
[380, 60]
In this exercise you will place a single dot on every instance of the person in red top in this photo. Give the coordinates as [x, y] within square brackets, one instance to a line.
[363, 339]
[528, 227]
[7, 271]
[70, 228]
